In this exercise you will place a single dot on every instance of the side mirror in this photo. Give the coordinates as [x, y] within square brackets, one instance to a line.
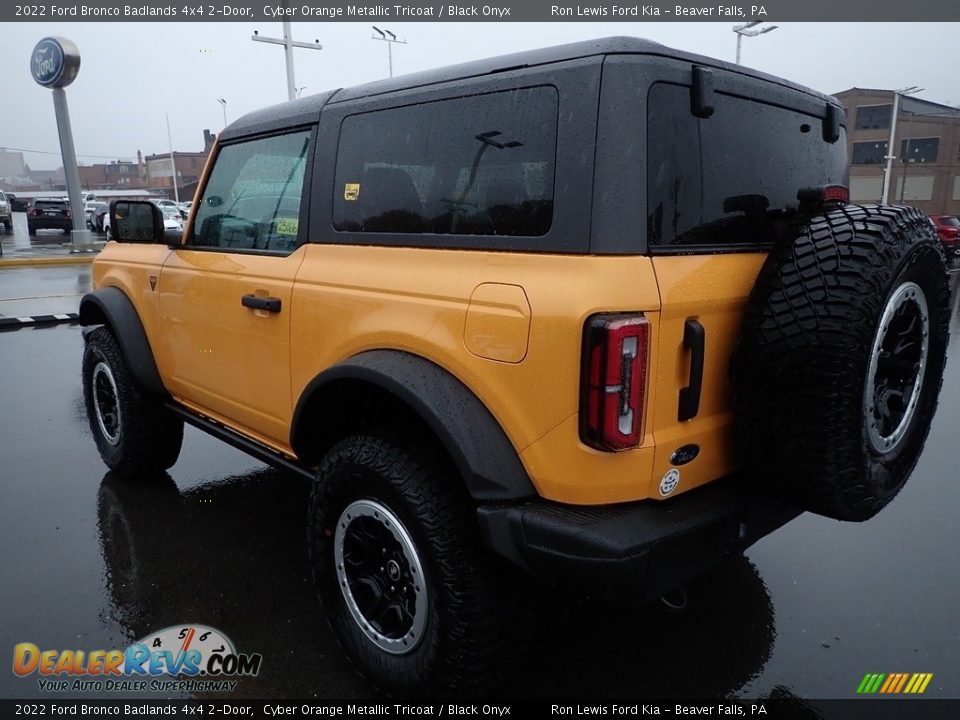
[136, 221]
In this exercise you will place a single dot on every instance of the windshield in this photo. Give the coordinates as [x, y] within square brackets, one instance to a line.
[950, 221]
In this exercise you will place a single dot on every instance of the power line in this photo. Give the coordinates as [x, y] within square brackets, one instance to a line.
[49, 152]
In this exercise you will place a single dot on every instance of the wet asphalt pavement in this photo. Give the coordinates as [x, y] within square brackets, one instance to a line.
[88, 561]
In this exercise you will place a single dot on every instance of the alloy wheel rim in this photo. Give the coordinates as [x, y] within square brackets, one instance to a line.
[106, 402]
[898, 362]
[380, 576]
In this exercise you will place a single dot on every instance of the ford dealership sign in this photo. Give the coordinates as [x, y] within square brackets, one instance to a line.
[54, 62]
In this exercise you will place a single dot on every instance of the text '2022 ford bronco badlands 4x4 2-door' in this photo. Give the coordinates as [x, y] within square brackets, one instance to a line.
[602, 311]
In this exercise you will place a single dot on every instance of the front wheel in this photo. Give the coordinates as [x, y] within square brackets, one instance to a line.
[133, 431]
[409, 591]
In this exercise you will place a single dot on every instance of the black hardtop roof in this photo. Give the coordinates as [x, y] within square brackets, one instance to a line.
[305, 110]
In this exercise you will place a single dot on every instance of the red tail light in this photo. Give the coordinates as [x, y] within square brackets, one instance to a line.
[614, 381]
[828, 196]
[836, 193]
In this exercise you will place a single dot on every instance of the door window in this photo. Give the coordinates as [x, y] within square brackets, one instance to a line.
[253, 197]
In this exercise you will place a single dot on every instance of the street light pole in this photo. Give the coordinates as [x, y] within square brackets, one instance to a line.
[904, 160]
[223, 103]
[288, 45]
[389, 41]
[750, 29]
[173, 165]
[884, 198]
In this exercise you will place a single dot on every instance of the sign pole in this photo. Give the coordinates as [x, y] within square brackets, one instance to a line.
[81, 238]
[54, 64]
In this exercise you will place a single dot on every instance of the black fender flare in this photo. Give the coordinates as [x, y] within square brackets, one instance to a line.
[468, 431]
[111, 307]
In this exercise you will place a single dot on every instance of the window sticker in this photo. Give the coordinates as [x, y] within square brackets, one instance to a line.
[351, 191]
[287, 226]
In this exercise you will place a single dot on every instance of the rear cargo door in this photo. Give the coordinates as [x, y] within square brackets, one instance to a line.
[720, 188]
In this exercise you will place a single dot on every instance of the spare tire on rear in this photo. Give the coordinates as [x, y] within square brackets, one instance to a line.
[840, 360]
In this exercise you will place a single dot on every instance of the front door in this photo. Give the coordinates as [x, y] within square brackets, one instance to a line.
[225, 294]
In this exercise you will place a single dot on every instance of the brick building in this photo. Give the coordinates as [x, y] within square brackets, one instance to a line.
[189, 166]
[117, 175]
[926, 150]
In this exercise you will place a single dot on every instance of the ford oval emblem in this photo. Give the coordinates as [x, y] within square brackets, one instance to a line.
[684, 454]
[54, 62]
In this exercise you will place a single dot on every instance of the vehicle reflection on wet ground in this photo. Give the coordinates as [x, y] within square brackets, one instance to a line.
[92, 561]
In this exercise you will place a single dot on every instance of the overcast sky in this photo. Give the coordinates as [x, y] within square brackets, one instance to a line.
[133, 74]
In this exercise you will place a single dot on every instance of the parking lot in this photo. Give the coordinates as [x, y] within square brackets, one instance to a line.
[92, 561]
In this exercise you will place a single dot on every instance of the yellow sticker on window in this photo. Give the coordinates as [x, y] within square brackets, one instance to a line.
[351, 191]
[287, 226]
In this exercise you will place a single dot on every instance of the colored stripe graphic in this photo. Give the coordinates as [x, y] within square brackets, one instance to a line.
[894, 683]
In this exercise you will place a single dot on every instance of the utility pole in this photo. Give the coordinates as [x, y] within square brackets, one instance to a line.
[750, 30]
[288, 45]
[389, 41]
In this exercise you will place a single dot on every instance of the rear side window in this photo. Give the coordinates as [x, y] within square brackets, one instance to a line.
[481, 165]
[252, 198]
[727, 180]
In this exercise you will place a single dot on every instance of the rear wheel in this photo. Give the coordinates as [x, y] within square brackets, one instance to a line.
[133, 431]
[841, 358]
[408, 589]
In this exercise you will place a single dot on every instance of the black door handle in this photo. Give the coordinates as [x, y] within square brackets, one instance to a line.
[693, 340]
[270, 304]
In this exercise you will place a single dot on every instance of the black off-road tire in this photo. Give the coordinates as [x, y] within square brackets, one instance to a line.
[135, 434]
[810, 428]
[474, 605]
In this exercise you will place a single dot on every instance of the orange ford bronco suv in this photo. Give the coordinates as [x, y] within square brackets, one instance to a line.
[597, 311]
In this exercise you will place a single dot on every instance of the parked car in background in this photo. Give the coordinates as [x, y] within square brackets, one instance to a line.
[5, 212]
[49, 214]
[170, 205]
[16, 204]
[171, 212]
[948, 228]
[88, 208]
[96, 214]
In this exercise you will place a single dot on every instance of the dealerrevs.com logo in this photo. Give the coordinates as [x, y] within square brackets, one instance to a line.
[190, 658]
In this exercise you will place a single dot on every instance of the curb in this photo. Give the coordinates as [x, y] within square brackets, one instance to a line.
[27, 262]
[15, 323]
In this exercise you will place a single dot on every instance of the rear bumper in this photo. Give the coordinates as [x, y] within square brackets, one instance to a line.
[649, 546]
[50, 223]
